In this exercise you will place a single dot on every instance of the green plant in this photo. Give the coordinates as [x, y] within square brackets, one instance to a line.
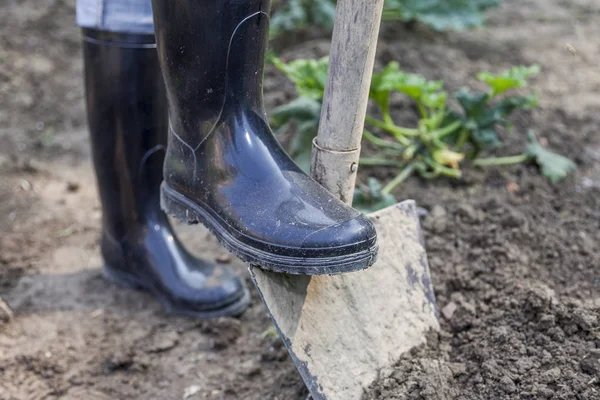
[369, 197]
[293, 15]
[553, 166]
[304, 112]
[442, 138]
[439, 14]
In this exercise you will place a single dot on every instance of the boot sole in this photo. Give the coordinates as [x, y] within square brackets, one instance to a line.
[130, 281]
[186, 210]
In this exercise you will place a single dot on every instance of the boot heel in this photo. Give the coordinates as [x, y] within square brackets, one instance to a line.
[114, 262]
[173, 207]
[121, 279]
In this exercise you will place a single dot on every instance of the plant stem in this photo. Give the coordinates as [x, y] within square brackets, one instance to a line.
[462, 139]
[447, 130]
[380, 142]
[440, 169]
[422, 110]
[377, 162]
[401, 177]
[393, 129]
[387, 118]
[491, 161]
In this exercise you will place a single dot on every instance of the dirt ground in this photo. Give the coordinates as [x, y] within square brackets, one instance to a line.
[514, 259]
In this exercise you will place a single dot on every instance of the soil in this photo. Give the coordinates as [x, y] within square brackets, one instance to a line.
[514, 259]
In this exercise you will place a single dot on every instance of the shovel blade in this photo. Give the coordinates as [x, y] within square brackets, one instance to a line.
[342, 330]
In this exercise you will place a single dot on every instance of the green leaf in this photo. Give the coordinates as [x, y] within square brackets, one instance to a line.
[308, 75]
[290, 16]
[478, 119]
[306, 113]
[323, 13]
[514, 78]
[300, 109]
[429, 95]
[413, 85]
[377, 92]
[368, 198]
[435, 100]
[485, 4]
[294, 15]
[510, 103]
[301, 144]
[553, 166]
[440, 14]
[481, 118]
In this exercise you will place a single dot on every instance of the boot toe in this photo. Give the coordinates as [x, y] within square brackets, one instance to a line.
[219, 289]
[351, 236]
[223, 286]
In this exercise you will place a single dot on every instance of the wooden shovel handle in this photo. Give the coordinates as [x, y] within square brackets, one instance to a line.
[336, 149]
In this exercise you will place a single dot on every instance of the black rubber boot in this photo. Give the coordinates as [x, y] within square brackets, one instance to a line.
[126, 105]
[224, 167]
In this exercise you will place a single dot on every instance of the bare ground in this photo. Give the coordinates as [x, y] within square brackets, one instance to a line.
[514, 260]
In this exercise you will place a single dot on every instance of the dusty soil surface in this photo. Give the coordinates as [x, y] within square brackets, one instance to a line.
[514, 259]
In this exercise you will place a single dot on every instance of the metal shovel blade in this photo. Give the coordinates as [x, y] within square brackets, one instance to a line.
[341, 330]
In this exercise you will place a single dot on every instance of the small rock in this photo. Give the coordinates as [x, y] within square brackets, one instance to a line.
[437, 211]
[224, 258]
[547, 321]
[524, 364]
[539, 298]
[491, 204]
[449, 310]
[250, 368]
[25, 185]
[6, 314]
[223, 332]
[40, 65]
[164, 341]
[586, 320]
[468, 212]
[190, 391]
[512, 187]
[388, 383]
[120, 360]
[141, 362]
[513, 219]
[552, 375]
[557, 334]
[477, 379]
[458, 369]
[437, 219]
[546, 357]
[470, 307]
[591, 363]
[501, 333]
[544, 392]
[508, 385]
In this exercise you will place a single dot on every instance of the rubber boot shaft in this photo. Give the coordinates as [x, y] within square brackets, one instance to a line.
[224, 167]
[210, 49]
[127, 116]
[128, 120]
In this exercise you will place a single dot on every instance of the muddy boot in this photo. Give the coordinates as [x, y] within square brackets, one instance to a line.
[127, 117]
[224, 167]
